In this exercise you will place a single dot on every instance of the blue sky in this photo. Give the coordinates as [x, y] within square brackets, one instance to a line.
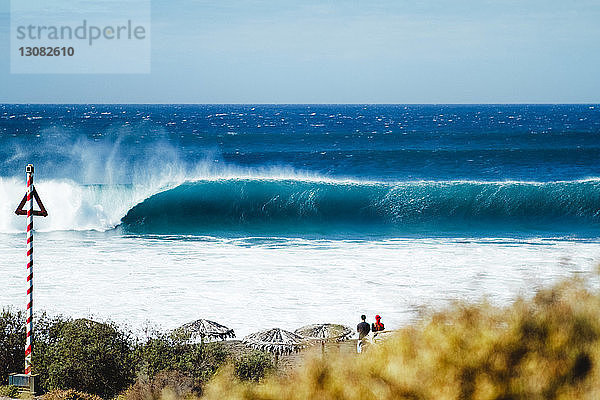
[283, 51]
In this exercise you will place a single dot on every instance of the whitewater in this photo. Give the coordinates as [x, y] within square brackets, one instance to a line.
[264, 216]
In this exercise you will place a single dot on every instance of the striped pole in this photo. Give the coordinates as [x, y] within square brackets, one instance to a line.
[29, 313]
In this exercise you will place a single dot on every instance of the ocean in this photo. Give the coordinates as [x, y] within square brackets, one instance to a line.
[282, 215]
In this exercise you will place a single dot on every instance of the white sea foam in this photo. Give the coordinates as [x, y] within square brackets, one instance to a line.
[252, 283]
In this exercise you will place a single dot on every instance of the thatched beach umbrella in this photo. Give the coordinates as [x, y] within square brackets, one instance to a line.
[203, 329]
[325, 332]
[276, 341]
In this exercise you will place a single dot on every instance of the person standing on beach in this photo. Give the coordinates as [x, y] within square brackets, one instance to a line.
[363, 330]
[378, 325]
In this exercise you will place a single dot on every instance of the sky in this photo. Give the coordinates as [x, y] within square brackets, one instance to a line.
[389, 51]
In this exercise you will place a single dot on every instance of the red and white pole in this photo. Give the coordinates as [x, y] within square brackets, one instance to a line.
[29, 313]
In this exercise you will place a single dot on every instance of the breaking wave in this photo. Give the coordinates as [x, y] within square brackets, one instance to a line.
[289, 205]
[272, 205]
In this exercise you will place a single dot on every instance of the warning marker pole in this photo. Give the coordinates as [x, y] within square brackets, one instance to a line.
[28, 381]
[29, 312]
[30, 197]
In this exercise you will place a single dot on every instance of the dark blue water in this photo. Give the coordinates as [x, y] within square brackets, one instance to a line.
[388, 170]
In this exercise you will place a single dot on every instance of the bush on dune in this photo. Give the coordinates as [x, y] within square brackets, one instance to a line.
[81, 354]
[101, 359]
[12, 343]
[195, 363]
[253, 366]
[544, 348]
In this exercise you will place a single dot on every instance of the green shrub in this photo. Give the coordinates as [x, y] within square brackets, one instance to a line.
[253, 366]
[12, 343]
[9, 391]
[83, 355]
[164, 353]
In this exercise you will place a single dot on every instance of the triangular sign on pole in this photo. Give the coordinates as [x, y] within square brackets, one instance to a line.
[42, 211]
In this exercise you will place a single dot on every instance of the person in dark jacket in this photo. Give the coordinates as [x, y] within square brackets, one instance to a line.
[378, 326]
[363, 330]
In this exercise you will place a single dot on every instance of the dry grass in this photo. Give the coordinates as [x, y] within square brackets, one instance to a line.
[69, 394]
[544, 348]
[166, 384]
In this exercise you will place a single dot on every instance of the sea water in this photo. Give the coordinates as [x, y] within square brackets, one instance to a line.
[283, 215]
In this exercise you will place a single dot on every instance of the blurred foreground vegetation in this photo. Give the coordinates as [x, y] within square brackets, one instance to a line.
[547, 347]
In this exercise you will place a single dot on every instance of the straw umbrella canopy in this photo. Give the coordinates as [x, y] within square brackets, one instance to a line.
[203, 329]
[276, 341]
[325, 332]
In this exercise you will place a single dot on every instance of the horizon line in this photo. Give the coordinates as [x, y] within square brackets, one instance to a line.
[310, 104]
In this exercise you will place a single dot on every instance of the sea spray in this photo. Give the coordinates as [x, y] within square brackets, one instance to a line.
[72, 206]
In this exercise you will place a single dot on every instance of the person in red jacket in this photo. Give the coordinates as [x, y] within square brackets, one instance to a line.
[378, 326]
